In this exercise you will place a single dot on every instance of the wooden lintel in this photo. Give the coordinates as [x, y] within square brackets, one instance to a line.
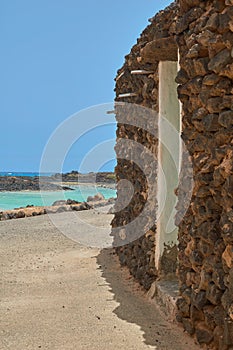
[120, 75]
[128, 94]
[111, 112]
[141, 72]
[164, 49]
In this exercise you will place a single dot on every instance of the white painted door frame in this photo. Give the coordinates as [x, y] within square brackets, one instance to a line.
[169, 154]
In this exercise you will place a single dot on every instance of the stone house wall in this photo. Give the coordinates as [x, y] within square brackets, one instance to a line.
[139, 254]
[205, 269]
[202, 31]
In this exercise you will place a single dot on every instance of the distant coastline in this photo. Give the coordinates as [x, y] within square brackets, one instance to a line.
[53, 182]
[21, 191]
[26, 183]
[25, 174]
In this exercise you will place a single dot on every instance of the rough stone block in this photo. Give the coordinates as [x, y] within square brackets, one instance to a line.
[188, 326]
[226, 119]
[218, 278]
[185, 5]
[205, 280]
[187, 293]
[164, 49]
[182, 77]
[211, 79]
[228, 256]
[213, 104]
[184, 21]
[183, 307]
[206, 247]
[211, 122]
[213, 294]
[219, 315]
[224, 21]
[201, 66]
[203, 333]
[219, 5]
[227, 101]
[199, 299]
[218, 62]
[213, 22]
[204, 37]
[196, 314]
[218, 338]
[208, 311]
[227, 71]
[228, 331]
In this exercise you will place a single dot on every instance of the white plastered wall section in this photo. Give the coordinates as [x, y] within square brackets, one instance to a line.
[169, 158]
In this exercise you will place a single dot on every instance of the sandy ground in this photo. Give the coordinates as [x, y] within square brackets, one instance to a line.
[59, 295]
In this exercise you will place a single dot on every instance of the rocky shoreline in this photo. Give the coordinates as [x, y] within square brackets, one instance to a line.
[57, 207]
[57, 182]
[104, 178]
[26, 183]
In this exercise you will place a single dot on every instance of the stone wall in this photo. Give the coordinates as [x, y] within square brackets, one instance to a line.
[139, 254]
[205, 40]
[203, 32]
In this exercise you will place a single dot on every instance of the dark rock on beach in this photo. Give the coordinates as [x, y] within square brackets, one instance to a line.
[97, 197]
[102, 178]
[65, 202]
[57, 207]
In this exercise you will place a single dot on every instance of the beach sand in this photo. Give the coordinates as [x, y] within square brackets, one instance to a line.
[59, 295]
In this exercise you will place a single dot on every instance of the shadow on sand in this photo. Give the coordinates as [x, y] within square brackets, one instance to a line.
[133, 307]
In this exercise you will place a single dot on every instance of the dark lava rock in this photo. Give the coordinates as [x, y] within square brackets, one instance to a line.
[12, 183]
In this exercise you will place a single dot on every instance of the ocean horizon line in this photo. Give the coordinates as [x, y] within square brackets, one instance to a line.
[37, 173]
[25, 173]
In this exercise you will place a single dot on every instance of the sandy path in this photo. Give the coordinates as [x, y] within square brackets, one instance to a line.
[56, 294]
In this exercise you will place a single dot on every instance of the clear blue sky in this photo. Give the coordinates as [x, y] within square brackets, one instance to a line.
[58, 57]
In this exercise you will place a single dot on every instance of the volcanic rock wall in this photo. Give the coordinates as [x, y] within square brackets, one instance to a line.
[203, 32]
[138, 255]
[205, 40]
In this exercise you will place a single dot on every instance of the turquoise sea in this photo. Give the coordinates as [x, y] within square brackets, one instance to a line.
[11, 200]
